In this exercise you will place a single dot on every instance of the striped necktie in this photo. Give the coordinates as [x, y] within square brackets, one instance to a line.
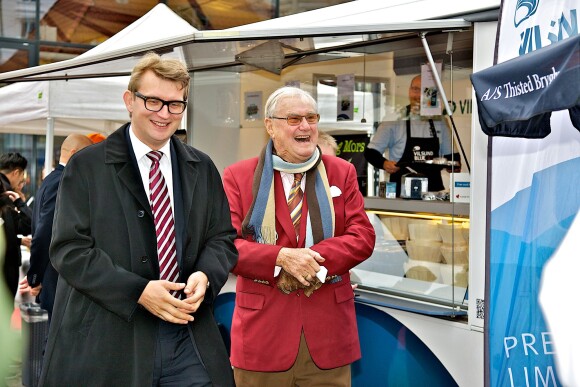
[295, 202]
[163, 217]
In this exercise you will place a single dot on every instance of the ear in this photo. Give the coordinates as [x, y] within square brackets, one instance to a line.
[15, 172]
[268, 122]
[129, 100]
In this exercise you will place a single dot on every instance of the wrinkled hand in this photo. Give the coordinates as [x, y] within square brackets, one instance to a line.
[158, 300]
[195, 289]
[287, 284]
[24, 287]
[302, 264]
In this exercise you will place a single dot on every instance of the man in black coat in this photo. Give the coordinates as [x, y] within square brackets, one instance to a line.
[41, 278]
[15, 214]
[115, 320]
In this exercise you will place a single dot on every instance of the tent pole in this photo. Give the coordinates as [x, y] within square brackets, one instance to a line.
[442, 93]
[49, 148]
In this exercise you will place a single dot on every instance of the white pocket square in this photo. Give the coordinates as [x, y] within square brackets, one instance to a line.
[335, 191]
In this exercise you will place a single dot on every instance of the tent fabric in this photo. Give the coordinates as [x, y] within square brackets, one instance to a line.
[355, 18]
[159, 23]
[84, 105]
[516, 98]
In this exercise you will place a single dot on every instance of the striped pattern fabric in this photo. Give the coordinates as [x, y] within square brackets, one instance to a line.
[164, 224]
[295, 202]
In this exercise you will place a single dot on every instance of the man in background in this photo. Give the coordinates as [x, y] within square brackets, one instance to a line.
[42, 278]
[15, 214]
[413, 139]
[327, 144]
[13, 178]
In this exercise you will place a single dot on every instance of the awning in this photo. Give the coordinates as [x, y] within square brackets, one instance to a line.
[227, 49]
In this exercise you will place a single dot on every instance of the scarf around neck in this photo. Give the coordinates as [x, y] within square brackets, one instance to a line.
[260, 221]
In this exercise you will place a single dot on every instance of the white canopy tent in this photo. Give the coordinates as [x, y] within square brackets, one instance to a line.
[83, 105]
[358, 20]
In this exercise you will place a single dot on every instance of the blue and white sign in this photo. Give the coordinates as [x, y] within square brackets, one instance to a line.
[533, 201]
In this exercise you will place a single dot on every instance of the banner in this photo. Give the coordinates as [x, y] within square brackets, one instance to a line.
[516, 98]
[534, 198]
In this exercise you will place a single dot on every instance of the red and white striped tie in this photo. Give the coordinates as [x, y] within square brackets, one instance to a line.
[295, 202]
[164, 224]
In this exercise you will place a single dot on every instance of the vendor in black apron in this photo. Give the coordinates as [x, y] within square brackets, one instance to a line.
[415, 151]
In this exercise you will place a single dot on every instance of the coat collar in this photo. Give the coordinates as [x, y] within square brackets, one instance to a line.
[118, 151]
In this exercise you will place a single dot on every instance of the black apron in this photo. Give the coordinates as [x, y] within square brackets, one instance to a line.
[417, 151]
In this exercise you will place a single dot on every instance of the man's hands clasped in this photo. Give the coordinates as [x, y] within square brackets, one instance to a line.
[158, 300]
[299, 268]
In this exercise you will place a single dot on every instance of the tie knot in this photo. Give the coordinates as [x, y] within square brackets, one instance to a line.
[298, 177]
[155, 156]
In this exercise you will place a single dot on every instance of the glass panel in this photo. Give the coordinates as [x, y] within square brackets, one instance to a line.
[420, 257]
[421, 251]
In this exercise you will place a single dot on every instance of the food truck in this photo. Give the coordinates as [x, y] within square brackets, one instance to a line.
[420, 297]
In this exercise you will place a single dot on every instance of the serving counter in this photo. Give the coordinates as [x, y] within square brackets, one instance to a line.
[421, 258]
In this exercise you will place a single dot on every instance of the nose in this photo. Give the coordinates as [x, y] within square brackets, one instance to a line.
[164, 112]
[304, 124]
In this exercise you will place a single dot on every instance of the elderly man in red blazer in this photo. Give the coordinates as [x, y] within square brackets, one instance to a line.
[301, 226]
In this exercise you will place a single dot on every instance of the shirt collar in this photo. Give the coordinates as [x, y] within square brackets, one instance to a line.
[141, 149]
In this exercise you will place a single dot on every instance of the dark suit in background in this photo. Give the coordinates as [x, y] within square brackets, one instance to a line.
[41, 270]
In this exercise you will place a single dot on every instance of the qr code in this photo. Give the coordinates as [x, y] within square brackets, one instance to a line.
[480, 305]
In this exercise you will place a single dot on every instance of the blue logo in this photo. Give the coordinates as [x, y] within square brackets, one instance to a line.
[525, 9]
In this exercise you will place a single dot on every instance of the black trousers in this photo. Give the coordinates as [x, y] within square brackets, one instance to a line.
[177, 363]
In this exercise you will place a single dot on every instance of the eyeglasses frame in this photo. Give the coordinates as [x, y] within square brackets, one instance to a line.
[301, 118]
[163, 103]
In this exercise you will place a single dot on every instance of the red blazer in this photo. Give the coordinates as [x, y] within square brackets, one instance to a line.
[267, 324]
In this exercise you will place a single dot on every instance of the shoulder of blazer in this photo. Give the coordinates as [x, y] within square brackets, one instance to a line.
[244, 165]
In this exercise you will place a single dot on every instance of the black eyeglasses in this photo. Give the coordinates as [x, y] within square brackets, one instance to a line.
[154, 104]
[294, 119]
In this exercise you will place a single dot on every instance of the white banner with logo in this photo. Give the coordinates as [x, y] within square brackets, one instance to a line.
[535, 196]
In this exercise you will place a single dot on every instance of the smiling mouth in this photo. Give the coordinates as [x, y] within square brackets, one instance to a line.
[302, 138]
[162, 124]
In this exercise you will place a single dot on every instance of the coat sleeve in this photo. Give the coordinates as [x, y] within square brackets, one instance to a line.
[218, 254]
[87, 268]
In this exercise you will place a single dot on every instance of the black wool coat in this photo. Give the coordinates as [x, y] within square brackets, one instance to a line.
[104, 248]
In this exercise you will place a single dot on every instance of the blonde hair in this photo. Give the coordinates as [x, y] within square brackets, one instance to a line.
[326, 139]
[167, 68]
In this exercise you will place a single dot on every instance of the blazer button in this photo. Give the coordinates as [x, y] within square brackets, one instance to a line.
[144, 259]
[140, 213]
